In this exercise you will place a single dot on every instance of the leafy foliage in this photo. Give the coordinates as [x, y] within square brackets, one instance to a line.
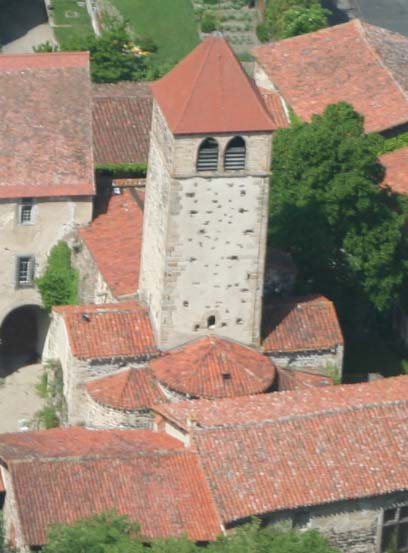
[286, 18]
[60, 282]
[112, 533]
[133, 169]
[327, 208]
[112, 58]
[394, 143]
[299, 20]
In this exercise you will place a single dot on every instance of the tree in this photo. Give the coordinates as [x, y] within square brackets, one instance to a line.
[328, 209]
[301, 20]
[59, 284]
[113, 533]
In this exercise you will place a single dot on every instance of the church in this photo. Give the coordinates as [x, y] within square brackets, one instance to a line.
[199, 390]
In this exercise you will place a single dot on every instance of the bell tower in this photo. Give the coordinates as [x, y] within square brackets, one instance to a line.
[206, 206]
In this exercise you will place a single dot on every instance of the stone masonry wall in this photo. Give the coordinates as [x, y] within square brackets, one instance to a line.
[93, 287]
[12, 523]
[319, 361]
[52, 220]
[97, 415]
[204, 240]
[353, 526]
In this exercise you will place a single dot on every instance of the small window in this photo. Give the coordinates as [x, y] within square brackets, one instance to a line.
[211, 322]
[25, 271]
[207, 159]
[394, 531]
[235, 154]
[26, 211]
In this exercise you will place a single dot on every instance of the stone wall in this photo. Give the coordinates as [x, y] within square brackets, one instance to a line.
[317, 361]
[52, 220]
[97, 415]
[204, 240]
[353, 526]
[12, 524]
[92, 286]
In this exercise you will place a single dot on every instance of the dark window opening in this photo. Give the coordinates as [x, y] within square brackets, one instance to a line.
[211, 322]
[235, 155]
[207, 159]
[26, 211]
[226, 376]
[394, 531]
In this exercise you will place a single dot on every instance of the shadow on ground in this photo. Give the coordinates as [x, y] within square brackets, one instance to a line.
[338, 16]
[18, 17]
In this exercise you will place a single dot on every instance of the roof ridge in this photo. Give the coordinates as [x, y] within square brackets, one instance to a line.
[304, 416]
[363, 33]
[198, 74]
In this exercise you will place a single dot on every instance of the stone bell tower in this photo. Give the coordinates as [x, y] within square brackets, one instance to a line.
[206, 200]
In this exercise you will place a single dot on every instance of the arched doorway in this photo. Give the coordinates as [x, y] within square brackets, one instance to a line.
[22, 335]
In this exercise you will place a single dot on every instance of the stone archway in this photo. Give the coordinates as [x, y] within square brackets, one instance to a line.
[22, 335]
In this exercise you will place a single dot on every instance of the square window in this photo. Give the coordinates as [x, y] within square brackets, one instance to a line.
[25, 271]
[394, 531]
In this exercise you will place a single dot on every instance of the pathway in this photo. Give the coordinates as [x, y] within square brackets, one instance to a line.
[18, 397]
[34, 37]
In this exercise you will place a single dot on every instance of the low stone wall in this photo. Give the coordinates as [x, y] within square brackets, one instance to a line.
[317, 361]
[98, 415]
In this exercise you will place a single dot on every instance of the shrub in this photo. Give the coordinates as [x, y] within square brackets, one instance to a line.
[298, 21]
[60, 283]
[208, 23]
[262, 32]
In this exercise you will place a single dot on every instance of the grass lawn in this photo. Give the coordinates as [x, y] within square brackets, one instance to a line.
[170, 23]
[74, 20]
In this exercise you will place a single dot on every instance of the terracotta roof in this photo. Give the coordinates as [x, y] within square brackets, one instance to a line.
[129, 390]
[209, 92]
[314, 70]
[109, 330]
[274, 104]
[301, 324]
[45, 125]
[122, 116]
[115, 241]
[213, 367]
[298, 380]
[148, 476]
[396, 164]
[281, 405]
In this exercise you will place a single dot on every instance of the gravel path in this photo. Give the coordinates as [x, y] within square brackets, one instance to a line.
[34, 37]
[18, 397]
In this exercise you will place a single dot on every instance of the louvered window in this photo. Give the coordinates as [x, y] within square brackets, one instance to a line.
[207, 159]
[235, 154]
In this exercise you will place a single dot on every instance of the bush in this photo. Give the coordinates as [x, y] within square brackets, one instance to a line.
[262, 32]
[208, 23]
[298, 21]
[60, 283]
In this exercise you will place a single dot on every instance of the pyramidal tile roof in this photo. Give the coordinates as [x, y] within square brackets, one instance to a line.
[209, 92]
[215, 368]
[131, 389]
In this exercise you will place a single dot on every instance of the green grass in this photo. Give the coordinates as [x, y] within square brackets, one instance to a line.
[71, 27]
[170, 23]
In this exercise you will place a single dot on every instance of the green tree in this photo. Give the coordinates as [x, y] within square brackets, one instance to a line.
[327, 208]
[103, 533]
[111, 56]
[301, 20]
[60, 282]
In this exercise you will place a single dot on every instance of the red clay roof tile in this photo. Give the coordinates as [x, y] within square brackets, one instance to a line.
[274, 104]
[115, 241]
[209, 92]
[280, 405]
[396, 164]
[213, 367]
[298, 380]
[314, 70]
[301, 324]
[121, 122]
[148, 476]
[129, 390]
[109, 330]
[45, 125]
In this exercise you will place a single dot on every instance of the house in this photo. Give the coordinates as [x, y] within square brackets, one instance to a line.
[46, 179]
[331, 458]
